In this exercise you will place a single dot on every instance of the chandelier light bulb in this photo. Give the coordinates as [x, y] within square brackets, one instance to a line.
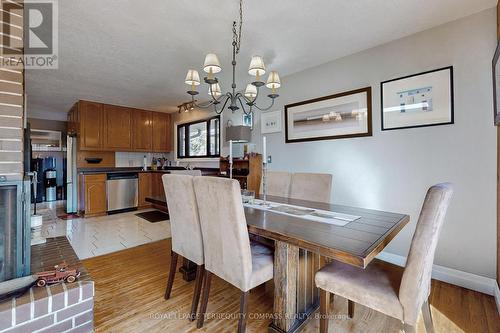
[214, 90]
[273, 81]
[257, 67]
[192, 77]
[212, 64]
[251, 92]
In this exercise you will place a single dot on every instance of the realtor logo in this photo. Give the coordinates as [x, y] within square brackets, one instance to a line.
[37, 47]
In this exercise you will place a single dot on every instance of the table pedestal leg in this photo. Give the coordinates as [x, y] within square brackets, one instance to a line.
[188, 270]
[295, 296]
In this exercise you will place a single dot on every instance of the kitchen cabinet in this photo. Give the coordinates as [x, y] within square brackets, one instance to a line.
[104, 127]
[157, 189]
[142, 130]
[117, 125]
[94, 194]
[91, 123]
[145, 189]
[161, 132]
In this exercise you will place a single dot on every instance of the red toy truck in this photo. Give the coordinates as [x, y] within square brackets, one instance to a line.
[61, 273]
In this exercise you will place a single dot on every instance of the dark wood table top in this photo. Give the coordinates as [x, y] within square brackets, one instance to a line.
[356, 243]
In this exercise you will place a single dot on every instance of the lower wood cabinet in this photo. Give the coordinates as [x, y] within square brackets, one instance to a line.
[94, 191]
[157, 184]
[145, 190]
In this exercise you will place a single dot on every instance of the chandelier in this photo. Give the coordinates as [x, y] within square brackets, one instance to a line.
[245, 99]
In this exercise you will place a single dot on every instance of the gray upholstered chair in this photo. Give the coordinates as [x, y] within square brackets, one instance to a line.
[311, 186]
[187, 239]
[278, 183]
[399, 295]
[228, 251]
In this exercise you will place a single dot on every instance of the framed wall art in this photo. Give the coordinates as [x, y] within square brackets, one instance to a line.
[270, 122]
[496, 88]
[424, 99]
[344, 115]
[248, 120]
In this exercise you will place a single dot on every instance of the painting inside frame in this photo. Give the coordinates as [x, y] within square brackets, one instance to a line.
[342, 115]
[424, 99]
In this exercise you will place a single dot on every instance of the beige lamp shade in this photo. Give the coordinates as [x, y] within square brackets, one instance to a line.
[251, 91]
[212, 64]
[192, 77]
[238, 134]
[214, 90]
[273, 81]
[257, 66]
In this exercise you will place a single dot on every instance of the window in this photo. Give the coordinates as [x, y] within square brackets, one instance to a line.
[199, 139]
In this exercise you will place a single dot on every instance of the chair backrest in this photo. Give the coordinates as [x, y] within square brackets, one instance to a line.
[311, 186]
[224, 227]
[185, 226]
[416, 281]
[186, 172]
[278, 183]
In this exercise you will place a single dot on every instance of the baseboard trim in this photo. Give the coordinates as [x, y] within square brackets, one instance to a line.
[453, 276]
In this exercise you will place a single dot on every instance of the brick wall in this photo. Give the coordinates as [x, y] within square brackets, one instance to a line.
[65, 307]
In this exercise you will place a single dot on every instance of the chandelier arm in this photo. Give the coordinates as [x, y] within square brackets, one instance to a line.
[265, 109]
[243, 107]
[228, 97]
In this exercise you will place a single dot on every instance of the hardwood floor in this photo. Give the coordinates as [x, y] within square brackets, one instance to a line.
[130, 285]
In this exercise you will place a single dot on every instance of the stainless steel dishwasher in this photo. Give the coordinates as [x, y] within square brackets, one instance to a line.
[122, 191]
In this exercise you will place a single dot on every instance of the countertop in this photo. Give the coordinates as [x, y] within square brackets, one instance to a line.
[139, 170]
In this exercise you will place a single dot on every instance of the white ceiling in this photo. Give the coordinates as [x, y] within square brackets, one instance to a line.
[136, 53]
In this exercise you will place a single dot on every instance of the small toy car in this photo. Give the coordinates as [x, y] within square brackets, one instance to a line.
[59, 274]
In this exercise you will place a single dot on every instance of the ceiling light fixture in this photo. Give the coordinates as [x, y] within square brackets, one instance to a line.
[186, 107]
[248, 97]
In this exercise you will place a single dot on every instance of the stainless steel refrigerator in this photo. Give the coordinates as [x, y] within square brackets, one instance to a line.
[71, 176]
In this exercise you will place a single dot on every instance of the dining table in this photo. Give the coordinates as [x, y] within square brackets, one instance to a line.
[303, 245]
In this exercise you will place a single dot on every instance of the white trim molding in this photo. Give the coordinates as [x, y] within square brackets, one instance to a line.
[467, 280]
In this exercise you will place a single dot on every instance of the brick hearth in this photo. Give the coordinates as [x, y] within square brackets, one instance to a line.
[63, 307]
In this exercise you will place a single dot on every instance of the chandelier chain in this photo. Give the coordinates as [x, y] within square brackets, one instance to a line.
[237, 34]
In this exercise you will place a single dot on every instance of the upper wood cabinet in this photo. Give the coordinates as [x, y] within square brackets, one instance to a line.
[103, 127]
[161, 132]
[142, 130]
[118, 125]
[91, 123]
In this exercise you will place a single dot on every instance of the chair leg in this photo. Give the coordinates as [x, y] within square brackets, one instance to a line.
[200, 270]
[409, 329]
[350, 308]
[171, 274]
[426, 313]
[204, 299]
[242, 323]
[324, 303]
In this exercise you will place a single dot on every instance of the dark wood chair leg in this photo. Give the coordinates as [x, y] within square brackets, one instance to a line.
[426, 313]
[242, 323]
[200, 270]
[171, 274]
[324, 303]
[350, 308]
[204, 299]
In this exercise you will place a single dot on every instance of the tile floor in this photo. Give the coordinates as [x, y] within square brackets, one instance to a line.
[96, 236]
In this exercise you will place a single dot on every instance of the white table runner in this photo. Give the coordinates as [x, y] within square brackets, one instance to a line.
[318, 215]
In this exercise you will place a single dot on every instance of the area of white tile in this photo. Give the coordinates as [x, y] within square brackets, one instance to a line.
[96, 236]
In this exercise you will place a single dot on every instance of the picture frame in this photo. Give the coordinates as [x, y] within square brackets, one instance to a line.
[270, 122]
[343, 115]
[418, 100]
[496, 82]
[248, 119]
